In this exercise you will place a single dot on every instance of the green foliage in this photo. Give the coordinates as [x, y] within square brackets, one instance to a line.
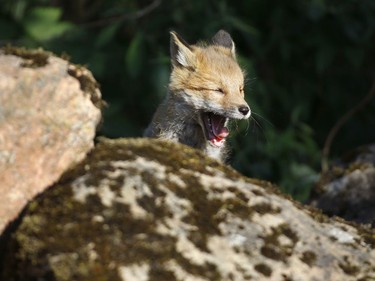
[42, 23]
[134, 55]
[308, 62]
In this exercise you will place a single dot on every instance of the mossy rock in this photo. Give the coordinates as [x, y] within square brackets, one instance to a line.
[140, 209]
[347, 188]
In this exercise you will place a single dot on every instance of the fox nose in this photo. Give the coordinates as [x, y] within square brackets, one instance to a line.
[244, 109]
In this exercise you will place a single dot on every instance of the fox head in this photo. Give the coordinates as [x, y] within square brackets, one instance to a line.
[209, 79]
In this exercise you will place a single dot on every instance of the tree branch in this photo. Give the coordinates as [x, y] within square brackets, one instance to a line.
[131, 16]
[339, 124]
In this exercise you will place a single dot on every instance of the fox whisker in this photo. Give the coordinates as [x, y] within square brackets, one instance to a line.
[260, 116]
[259, 125]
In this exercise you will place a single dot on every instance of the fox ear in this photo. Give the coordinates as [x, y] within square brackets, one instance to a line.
[181, 54]
[223, 38]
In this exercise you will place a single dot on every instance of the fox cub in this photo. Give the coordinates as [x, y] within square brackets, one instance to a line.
[206, 89]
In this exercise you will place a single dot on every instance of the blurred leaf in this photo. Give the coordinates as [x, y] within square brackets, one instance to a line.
[18, 9]
[46, 14]
[43, 24]
[97, 62]
[299, 181]
[133, 55]
[106, 35]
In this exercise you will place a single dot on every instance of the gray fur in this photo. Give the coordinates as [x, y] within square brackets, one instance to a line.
[182, 126]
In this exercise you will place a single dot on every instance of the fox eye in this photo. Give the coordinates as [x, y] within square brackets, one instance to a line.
[241, 88]
[219, 90]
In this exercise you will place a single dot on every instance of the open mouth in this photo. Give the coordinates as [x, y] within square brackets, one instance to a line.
[214, 125]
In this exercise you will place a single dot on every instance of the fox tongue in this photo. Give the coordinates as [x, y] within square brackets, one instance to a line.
[222, 134]
[218, 128]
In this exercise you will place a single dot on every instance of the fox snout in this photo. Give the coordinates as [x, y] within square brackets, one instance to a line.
[244, 110]
[241, 111]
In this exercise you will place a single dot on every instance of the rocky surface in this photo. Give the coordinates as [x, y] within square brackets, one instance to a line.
[49, 111]
[146, 210]
[347, 189]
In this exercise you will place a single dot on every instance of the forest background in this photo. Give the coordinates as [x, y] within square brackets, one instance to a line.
[308, 63]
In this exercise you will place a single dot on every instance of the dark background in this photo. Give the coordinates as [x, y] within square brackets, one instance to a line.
[308, 63]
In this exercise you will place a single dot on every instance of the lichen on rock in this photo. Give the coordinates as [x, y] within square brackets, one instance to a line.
[147, 210]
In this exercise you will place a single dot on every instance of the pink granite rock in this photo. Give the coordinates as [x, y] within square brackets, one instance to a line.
[49, 111]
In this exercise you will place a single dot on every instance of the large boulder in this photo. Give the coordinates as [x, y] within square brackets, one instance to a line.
[49, 111]
[347, 189]
[147, 210]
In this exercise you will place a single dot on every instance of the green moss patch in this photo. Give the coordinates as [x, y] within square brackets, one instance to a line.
[265, 208]
[308, 257]
[31, 58]
[348, 267]
[87, 84]
[263, 269]
[272, 248]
